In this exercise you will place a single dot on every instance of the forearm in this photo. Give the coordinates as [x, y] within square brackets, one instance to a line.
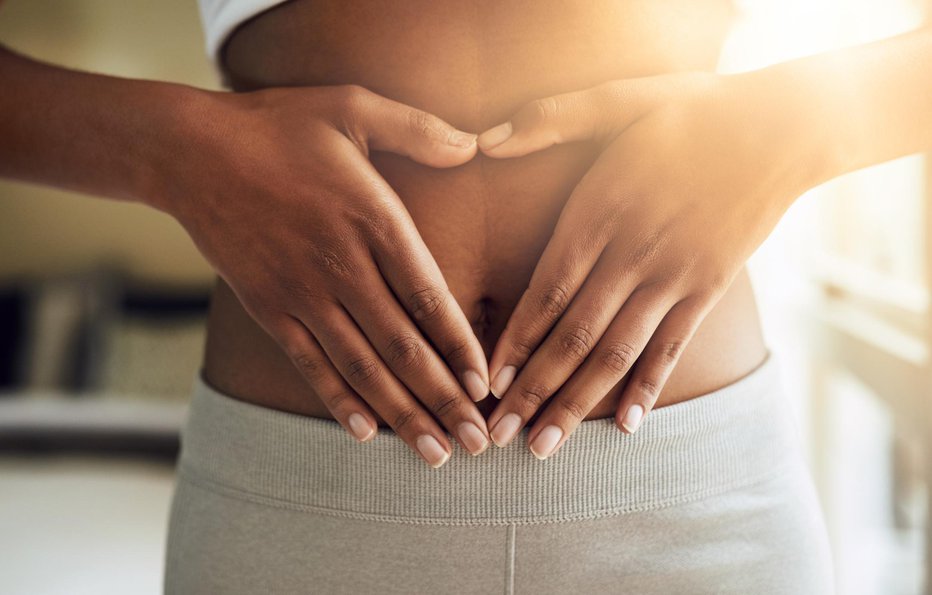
[92, 133]
[855, 107]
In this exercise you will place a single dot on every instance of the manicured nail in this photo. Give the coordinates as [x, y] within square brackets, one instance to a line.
[430, 449]
[503, 380]
[506, 428]
[546, 441]
[493, 137]
[360, 427]
[633, 418]
[476, 388]
[462, 139]
[473, 438]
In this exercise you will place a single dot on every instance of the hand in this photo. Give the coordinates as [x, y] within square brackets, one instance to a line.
[277, 192]
[694, 173]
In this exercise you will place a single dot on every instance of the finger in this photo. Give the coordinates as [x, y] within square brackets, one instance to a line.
[631, 328]
[363, 370]
[385, 125]
[414, 277]
[569, 343]
[407, 265]
[414, 362]
[563, 267]
[596, 114]
[311, 361]
[658, 361]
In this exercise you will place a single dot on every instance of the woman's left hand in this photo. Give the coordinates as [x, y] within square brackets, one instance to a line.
[695, 171]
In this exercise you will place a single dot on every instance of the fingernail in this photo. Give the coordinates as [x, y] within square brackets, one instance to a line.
[430, 449]
[633, 418]
[476, 388]
[546, 441]
[462, 139]
[360, 427]
[503, 380]
[506, 428]
[473, 438]
[493, 137]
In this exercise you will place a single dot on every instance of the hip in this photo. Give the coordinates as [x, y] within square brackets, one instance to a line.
[711, 495]
[241, 360]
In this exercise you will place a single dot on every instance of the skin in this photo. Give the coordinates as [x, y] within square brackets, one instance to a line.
[630, 289]
[487, 221]
[617, 284]
[338, 320]
[346, 154]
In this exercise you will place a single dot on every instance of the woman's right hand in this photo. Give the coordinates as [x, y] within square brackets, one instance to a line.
[277, 192]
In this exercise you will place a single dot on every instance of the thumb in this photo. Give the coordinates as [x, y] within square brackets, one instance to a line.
[592, 114]
[387, 125]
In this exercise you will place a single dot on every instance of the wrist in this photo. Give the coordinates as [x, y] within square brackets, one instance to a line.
[784, 111]
[174, 145]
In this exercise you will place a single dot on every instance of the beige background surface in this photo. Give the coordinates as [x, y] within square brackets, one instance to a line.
[96, 527]
[45, 231]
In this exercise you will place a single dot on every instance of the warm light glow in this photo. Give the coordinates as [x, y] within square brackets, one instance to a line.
[868, 228]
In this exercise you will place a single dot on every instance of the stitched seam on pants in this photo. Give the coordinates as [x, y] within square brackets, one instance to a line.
[179, 514]
[510, 560]
[239, 494]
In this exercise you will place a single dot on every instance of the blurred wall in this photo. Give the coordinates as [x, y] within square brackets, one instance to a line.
[45, 231]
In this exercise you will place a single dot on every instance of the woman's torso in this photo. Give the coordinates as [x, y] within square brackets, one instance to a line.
[486, 222]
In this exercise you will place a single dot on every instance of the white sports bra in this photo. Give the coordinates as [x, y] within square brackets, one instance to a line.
[221, 17]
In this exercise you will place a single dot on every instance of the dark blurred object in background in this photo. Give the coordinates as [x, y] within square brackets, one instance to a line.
[100, 331]
[12, 312]
[97, 362]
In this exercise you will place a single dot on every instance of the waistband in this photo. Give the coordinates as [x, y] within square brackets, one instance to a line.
[734, 436]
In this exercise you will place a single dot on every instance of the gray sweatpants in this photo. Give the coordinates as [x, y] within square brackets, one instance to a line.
[709, 496]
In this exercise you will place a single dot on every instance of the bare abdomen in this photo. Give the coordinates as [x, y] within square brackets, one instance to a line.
[486, 222]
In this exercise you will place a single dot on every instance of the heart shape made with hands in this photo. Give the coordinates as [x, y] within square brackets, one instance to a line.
[638, 260]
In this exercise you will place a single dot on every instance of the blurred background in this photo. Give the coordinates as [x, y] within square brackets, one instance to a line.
[102, 308]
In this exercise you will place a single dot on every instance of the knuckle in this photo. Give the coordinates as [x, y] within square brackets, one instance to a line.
[603, 227]
[310, 367]
[332, 262]
[350, 97]
[677, 273]
[522, 347]
[718, 284]
[426, 304]
[456, 353]
[650, 295]
[533, 395]
[405, 350]
[302, 290]
[362, 370]
[261, 308]
[543, 110]
[572, 408]
[368, 219]
[618, 357]
[348, 108]
[403, 418]
[424, 124]
[670, 350]
[576, 342]
[553, 300]
[647, 248]
[336, 400]
[648, 386]
[448, 403]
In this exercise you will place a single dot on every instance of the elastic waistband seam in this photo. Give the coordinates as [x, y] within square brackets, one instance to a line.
[731, 438]
[189, 476]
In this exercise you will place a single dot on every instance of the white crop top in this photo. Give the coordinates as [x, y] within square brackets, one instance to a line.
[221, 17]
